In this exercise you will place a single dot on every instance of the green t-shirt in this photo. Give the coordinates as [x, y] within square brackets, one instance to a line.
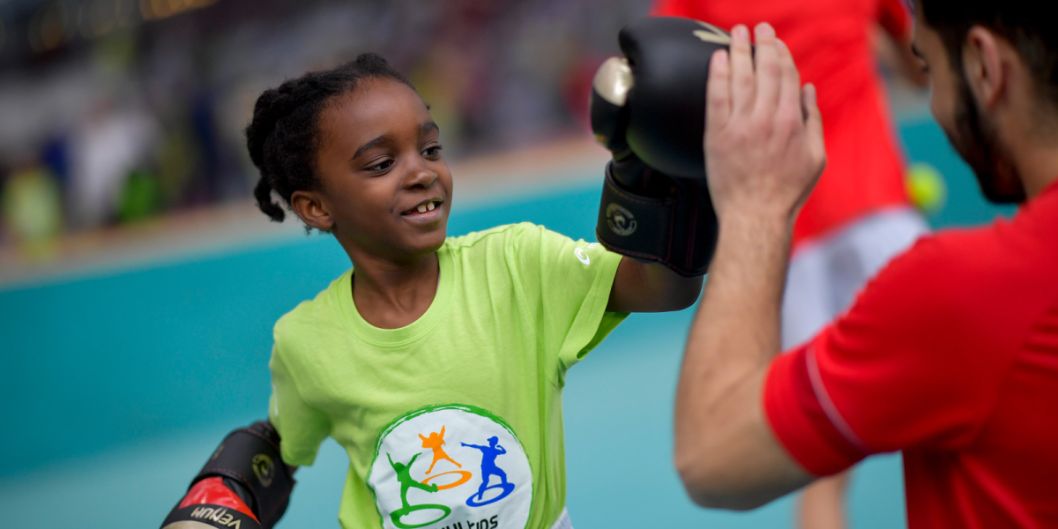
[457, 417]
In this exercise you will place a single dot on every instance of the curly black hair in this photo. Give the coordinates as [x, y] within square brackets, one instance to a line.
[283, 136]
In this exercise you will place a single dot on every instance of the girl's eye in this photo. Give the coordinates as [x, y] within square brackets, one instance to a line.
[381, 166]
[432, 152]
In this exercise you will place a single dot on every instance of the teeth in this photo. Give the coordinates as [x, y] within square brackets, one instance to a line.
[422, 208]
[430, 206]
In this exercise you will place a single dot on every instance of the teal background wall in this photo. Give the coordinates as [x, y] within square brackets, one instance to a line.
[118, 384]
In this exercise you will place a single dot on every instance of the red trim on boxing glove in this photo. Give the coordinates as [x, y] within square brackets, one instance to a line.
[213, 491]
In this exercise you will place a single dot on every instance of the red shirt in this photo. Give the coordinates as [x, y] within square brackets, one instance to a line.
[831, 43]
[950, 355]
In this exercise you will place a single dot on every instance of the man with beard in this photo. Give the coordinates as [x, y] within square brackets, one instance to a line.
[859, 215]
[950, 355]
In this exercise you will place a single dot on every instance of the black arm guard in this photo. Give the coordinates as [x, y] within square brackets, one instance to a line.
[248, 460]
[250, 457]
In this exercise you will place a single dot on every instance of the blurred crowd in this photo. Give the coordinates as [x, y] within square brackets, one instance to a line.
[115, 111]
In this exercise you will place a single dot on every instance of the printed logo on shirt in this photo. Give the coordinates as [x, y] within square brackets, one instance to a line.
[582, 255]
[451, 467]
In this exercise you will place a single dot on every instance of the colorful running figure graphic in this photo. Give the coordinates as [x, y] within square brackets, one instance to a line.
[434, 442]
[489, 469]
[403, 471]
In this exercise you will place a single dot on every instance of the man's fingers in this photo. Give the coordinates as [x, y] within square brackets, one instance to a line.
[742, 83]
[718, 92]
[814, 124]
[789, 97]
[787, 61]
[769, 71]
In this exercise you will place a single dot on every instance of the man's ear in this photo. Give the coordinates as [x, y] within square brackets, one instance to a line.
[311, 207]
[983, 66]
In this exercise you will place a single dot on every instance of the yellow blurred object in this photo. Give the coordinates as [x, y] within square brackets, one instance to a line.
[926, 187]
[31, 206]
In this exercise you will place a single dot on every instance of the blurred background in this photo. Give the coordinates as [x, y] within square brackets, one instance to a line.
[119, 111]
[138, 283]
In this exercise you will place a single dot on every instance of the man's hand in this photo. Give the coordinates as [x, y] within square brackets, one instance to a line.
[764, 151]
[764, 136]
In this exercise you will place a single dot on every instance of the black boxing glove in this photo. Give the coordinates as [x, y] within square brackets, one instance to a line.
[648, 110]
[244, 484]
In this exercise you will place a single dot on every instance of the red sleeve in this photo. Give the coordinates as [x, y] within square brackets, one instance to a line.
[670, 8]
[894, 17]
[903, 368]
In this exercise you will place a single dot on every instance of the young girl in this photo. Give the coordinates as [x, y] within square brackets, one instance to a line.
[437, 363]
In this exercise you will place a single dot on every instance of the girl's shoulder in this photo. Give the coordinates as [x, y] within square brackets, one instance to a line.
[514, 237]
[318, 311]
[518, 240]
[504, 234]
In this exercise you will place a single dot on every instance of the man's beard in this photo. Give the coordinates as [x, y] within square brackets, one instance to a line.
[976, 141]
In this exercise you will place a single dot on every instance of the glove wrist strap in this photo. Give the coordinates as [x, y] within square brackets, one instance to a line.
[676, 228]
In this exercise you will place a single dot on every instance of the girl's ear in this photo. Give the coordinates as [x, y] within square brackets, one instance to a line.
[312, 208]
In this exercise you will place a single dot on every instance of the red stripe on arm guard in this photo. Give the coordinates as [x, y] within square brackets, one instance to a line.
[213, 491]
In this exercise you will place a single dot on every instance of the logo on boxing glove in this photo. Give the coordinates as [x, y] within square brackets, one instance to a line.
[621, 221]
[712, 34]
[263, 468]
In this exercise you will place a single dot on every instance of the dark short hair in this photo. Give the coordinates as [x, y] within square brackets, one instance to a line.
[1027, 24]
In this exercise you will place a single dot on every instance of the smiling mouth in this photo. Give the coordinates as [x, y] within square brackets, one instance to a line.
[424, 207]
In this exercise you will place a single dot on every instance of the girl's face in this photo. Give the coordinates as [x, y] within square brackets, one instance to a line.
[385, 185]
